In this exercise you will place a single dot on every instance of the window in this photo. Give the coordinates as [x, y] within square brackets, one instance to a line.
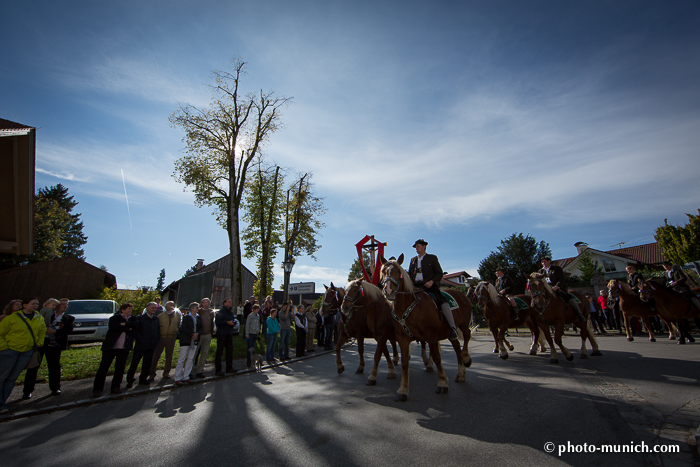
[609, 265]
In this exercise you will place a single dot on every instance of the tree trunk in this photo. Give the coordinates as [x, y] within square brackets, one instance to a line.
[235, 252]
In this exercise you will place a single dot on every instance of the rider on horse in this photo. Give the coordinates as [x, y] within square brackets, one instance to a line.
[677, 280]
[633, 278]
[504, 285]
[425, 272]
[556, 278]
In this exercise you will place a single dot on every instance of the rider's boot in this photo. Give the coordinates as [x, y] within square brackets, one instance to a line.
[574, 305]
[445, 308]
[514, 312]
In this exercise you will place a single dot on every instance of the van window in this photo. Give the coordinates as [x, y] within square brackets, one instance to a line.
[88, 307]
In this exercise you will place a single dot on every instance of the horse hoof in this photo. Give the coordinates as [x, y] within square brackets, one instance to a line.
[341, 370]
[401, 398]
[469, 363]
[511, 348]
[428, 369]
[681, 342]
[597, 353]
[553, 360]
[651, 339]
[359, 371]
[504, 356]
[584, 356]
[630, 339]
[441, 390]
[371, 382]
[691, 340]
[391, 376]
[495, 350]
[570, 357]
[533, 352]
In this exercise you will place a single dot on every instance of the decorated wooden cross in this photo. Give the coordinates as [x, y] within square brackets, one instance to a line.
[374, 248]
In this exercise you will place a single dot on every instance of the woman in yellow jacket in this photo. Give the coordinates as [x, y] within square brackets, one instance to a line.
[17, 345]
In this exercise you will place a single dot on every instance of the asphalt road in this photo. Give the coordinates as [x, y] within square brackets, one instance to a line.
[305, 414]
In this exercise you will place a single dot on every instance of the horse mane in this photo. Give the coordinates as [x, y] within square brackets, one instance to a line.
[493, 293]
[372, 291]
[407, 284]
[537, 275]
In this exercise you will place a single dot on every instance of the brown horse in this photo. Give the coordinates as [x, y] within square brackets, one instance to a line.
[416, 317]
[363, 298]
[672, 306]
[354, 326]
[497, 311]
[633, 306]
[556, 312]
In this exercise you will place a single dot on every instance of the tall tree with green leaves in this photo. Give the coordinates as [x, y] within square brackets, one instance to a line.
[58, 231]
[161, 280]
[587, 267]
[680, 244]
[222, 141]
[263, 206]
[304, 211]
[518, 255]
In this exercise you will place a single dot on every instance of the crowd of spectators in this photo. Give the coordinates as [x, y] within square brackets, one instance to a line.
[28, 335]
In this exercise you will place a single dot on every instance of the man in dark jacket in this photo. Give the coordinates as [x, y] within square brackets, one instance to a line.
[425, 271]
[504, 286]
[557, 280]
[225, 323]
[147, 335]
[678, 281]
[117, 344]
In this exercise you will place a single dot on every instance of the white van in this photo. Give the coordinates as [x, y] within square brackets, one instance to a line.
[91, 319]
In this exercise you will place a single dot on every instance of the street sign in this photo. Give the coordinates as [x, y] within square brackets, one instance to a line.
[302, 288]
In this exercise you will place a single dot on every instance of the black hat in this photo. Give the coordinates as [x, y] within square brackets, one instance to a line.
[421, 241]
[283, 304]
[499, 269]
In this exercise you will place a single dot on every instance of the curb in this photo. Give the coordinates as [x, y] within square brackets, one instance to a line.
[142, 392]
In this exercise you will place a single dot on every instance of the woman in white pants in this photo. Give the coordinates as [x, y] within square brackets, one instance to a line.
[188, 336]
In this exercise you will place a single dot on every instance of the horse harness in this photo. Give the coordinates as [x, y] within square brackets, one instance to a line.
[407, 313]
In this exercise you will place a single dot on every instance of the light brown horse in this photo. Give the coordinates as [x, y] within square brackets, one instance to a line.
[354, 326]
[556, 312]
[497, 311]
[416, 317]
[633, 306]
[672, 306]
[363, 298]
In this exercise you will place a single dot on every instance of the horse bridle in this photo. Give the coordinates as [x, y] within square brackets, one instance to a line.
[537, 294]
[332, 311]
[416, 294]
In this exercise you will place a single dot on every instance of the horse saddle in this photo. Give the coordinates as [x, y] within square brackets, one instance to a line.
[447, 298]
[522, 304]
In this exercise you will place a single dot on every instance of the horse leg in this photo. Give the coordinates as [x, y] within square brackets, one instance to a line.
[342, 338]
[402, 393]
[558, 332]
[461, 369]
[437, 358]
[502, 337]
[544, 340]
[494, 333]
[647, 323]
[361, 351]
[681, 331]
[534, 336]
[510, 346]
[594, 342]
[396, 351]
[385, 352]
[627, 327]
[466, 358]
[427, 361]
[372, 380]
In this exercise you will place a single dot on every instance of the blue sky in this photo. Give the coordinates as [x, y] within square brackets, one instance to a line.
[457, 122]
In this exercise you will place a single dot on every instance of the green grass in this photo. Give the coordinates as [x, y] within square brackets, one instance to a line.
[83, 361]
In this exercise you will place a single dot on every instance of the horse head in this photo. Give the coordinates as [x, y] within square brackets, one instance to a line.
[647, 289]
[332, 299]
[354, 296]
[482, 294]
[393, 279]
[540, 291]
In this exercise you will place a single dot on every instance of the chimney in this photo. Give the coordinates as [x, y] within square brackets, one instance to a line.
[581, 247]
[200, 265]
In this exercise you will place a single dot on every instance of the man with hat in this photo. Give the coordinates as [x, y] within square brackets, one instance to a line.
[677, 280]
[425, 272]
[504, 285]
[556, 279]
